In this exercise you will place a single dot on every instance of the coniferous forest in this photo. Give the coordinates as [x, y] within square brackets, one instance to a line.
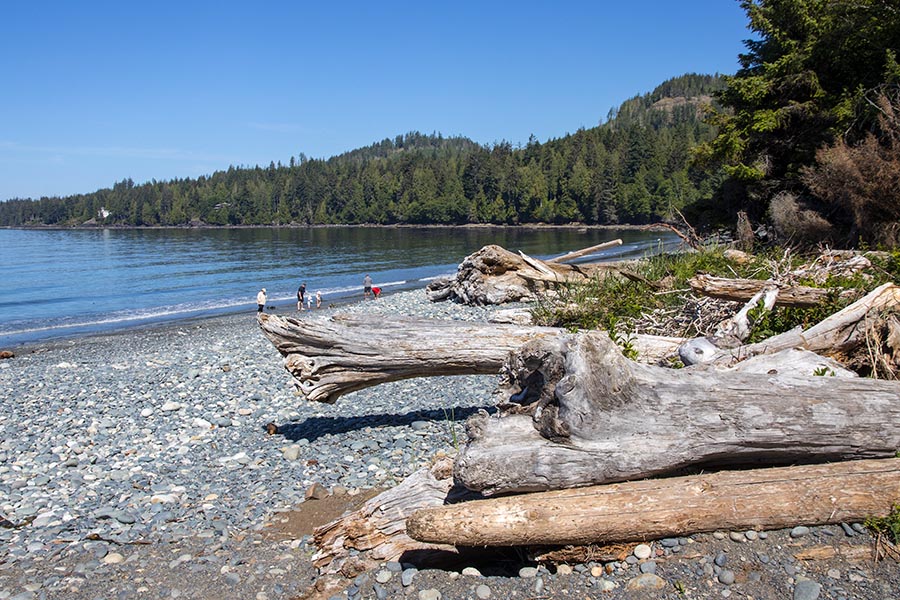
[633, 168]
[805, 137]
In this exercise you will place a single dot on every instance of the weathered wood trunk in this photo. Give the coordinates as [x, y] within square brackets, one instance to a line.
[651, 509]
[329, 358]
[379, 526]
[600, 418]
[494, 275]
[742, 290]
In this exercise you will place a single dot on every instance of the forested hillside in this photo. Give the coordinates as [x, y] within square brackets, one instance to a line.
[633, 168]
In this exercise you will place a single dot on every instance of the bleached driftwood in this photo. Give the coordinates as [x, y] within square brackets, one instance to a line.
[379, 525]
[840, 332]
[739, 327]
[742, 290]
[585, 252]
[656, 508]
[494, 275]
[599, 417]
[330, 358]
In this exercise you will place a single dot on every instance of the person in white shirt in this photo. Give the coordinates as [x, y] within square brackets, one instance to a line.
[261, 300]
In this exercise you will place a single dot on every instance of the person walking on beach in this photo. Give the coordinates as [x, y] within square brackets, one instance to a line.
[261, 300]
[301, 293]
[367, 286]
[318, 299]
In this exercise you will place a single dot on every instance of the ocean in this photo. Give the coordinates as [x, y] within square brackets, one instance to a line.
[72, 282]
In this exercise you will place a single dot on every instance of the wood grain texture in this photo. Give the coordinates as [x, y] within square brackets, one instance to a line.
[651, 509]
[602, 418]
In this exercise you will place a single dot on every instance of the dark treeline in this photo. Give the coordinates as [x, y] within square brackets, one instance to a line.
[634, 168]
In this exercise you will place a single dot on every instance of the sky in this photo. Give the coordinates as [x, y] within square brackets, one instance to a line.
[94, 92]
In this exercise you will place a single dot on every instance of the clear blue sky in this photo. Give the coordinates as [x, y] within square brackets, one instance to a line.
[95, 92]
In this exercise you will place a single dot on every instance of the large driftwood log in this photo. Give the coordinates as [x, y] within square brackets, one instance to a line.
[842, 331]
[742, 290]
[330, 358]
[650, 509]
[600, 418]
[494, 275]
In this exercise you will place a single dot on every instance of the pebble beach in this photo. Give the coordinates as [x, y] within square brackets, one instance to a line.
[138, 465]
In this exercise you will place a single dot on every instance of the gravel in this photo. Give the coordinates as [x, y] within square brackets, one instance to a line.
[138, 465]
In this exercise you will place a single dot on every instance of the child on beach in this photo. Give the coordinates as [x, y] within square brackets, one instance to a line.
[318, 299]
[376, 291]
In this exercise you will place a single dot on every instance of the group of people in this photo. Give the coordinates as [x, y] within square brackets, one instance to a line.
[369, 291]
[302, 297]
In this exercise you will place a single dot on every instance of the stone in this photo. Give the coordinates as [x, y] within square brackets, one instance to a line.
[406, 578]
[430, 594]
[316, 492]
[648, 567]
[527, 572]
[751, 535]
[645, 581]
[642, 551]
[721, 559]
[383, 576]
[483, 592]
[799, 531]
[726, 577]
[737, 536]
[806, 589]
[113, 558]
[291, 452]
[563, 570]
[170, 406]
[471, 572]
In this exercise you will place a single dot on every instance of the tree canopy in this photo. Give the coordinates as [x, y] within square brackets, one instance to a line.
[631, 169]
[804, 83]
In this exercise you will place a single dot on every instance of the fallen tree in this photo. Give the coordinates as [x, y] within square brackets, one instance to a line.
[742, 290]
[650, 509]
[329, 358]
[596, 417]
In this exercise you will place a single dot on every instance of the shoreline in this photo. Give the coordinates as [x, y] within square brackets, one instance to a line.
[67, 339]
[340, 225]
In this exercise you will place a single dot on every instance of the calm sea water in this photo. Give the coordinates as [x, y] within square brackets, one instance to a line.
[64, 283]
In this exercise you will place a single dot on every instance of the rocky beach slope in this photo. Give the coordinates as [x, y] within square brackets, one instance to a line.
[138, 465]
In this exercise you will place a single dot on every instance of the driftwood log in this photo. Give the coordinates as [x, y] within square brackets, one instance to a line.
[650, 509]
[330, 358]
[494, 275]
[742, 290]
[598, 417]
[840, 332]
